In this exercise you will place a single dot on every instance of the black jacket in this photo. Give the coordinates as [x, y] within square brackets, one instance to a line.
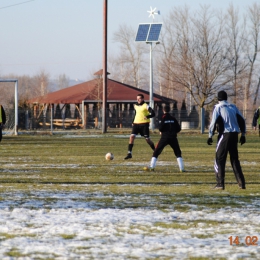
[256, 116]
[169, 125]
[3, 115]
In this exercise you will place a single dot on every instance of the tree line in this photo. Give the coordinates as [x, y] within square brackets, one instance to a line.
[30, 87]
[200, 53]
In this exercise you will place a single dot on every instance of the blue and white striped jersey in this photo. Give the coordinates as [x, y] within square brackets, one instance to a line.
[229, 117]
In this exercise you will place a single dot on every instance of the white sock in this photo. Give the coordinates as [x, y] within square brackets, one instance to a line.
[153, 162]
[180, 163]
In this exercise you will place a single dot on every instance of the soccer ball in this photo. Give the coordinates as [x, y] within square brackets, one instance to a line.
[109, 156]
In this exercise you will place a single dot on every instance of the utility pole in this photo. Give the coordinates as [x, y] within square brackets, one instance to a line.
[104, 121]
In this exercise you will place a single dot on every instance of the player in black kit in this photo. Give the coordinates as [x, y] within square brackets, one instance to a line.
[168, 127]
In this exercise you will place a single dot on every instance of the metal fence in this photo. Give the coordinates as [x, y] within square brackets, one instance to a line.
[27, 120]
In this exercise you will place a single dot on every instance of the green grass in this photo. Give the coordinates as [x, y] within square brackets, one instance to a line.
[38, 171]
[60, 163]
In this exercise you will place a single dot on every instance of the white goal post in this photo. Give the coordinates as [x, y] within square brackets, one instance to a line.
[15, 102]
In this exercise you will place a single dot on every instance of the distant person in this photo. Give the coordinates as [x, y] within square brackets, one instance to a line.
[2, 121]
[140, 124]
[168, 127]
[256, 120]
[230, 123]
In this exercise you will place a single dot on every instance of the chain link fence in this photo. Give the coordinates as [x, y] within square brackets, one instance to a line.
[29, 120]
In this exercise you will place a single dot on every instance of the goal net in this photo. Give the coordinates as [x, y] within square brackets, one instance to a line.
[8, 99]
[9, 128]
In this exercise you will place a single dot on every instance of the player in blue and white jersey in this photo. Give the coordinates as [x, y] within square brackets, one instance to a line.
[230, 123]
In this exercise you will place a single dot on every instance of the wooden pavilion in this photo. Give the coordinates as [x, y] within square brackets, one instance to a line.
[87, 98]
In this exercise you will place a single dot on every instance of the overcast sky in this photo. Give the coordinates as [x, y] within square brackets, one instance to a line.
[65, 36]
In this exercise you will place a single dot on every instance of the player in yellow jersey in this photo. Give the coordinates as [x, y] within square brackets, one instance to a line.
[140, 124]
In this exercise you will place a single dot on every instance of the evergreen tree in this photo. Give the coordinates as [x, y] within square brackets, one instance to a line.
[184, 113]
[57, 114]
[175, 111]
[67, 111]
[194, 117]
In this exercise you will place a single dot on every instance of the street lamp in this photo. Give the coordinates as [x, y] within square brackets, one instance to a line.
[151, 101]
[149, 33]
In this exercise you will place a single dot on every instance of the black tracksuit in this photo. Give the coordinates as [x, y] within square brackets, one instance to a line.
[230, 122]
[255, 118]
[169, 127]
[3, 121]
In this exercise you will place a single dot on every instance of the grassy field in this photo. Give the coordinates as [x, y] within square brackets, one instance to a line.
[37, 170]
[80, 159]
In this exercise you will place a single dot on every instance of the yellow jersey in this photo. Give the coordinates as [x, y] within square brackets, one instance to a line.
[141, 111]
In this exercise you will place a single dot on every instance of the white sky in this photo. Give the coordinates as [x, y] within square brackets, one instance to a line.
[65, 36]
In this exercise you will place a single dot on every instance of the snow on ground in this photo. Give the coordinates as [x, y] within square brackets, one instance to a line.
[98, 136]
[79, 225]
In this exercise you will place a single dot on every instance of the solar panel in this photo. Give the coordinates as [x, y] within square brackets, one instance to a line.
[154, 32]
[148, 32]
[142, 32]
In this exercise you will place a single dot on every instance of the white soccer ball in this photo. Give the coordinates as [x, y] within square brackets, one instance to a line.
[109, 156]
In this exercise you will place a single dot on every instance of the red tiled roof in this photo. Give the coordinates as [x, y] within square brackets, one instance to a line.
[92, 91]
[100, 72]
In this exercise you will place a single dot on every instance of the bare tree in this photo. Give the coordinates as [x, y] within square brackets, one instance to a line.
[198, 62]
[41, 83]
[7, 93]
[169, 48]
[63, 81]
[129, 62]
[28, 87]
[236, 37]
[253, 49]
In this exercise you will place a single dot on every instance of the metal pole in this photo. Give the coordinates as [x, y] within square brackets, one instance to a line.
[83, 114]
[151, 83]
[16, 108]
[202, 120]
[104, 126]
[27, 119]
[52, 106]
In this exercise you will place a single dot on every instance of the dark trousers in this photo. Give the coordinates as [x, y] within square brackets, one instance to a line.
[1, 135]
[167, 140]
[228, 144]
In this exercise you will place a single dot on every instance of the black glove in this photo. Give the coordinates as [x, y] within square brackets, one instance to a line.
[210, 141]
[242, 139]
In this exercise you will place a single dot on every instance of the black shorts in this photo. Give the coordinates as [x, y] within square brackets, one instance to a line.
[142, 129]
